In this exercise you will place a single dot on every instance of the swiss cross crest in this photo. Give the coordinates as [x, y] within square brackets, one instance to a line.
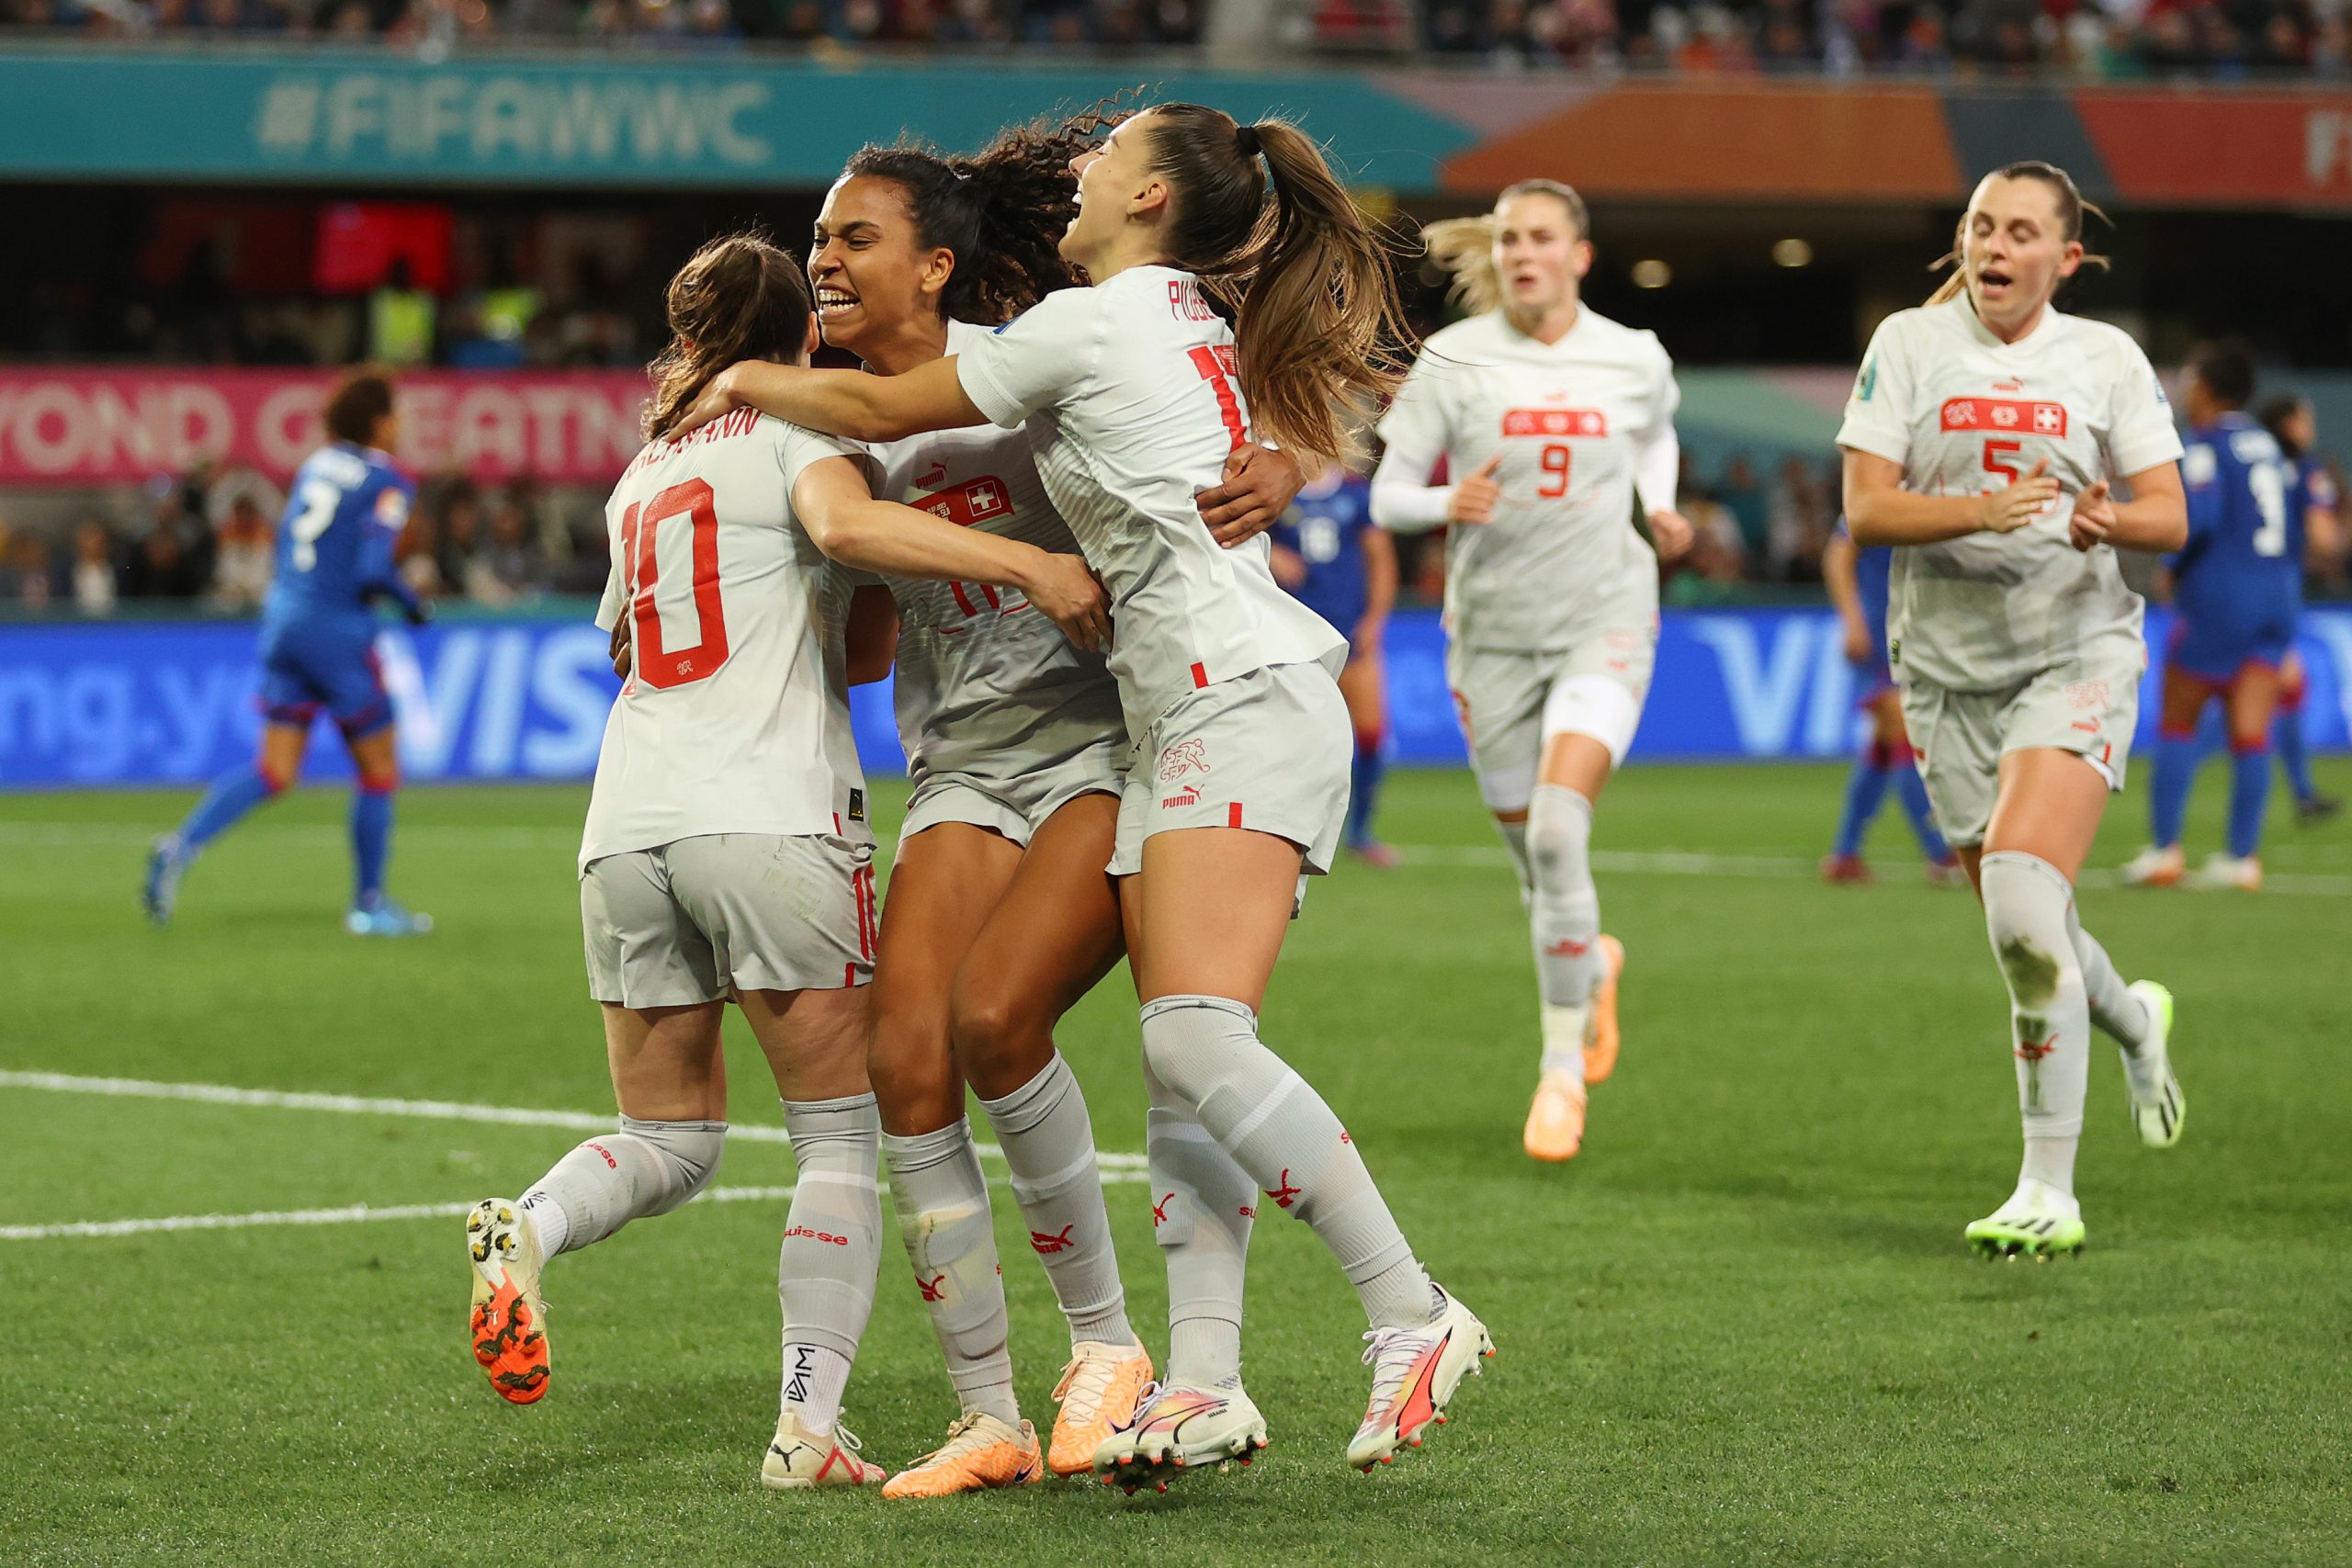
[2049, 419]
[2086, 694]
[989, 498]
[2003, 415]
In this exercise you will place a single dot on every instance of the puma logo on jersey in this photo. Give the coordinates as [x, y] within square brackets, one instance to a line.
[932, 477]
[1184, 757]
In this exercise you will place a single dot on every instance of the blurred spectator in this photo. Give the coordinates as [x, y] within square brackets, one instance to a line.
[93, 569]
[162, 567]
[508, 567]
[1743, 495]
[1799, 521]
[241, 569]
[399, 319]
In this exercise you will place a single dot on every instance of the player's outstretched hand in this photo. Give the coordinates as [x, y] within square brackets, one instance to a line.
[1859, 648]
[1671, 532]
[618, 650]
[716, 401]
[2094, 517]
[1474, 497]
[1066, 593]
[1258, 485]
[2009, 509]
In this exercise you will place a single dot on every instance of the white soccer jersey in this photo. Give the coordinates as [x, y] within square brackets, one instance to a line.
[1134, 402]
[735, 716]
[1964, 413]
[1576, 424]
[986, 684]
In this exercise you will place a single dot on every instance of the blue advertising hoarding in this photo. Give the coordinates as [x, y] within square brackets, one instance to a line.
[140, 703]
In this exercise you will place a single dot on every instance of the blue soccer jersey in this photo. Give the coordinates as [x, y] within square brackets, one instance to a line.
[2238, 582]
[1325, 526]
[1873, 569]
[334, 559]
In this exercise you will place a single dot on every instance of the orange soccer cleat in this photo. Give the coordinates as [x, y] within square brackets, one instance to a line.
[1099, 1391]
[509, 1322]
[1601, 1044]
[980, 1452]
[1556, 1119]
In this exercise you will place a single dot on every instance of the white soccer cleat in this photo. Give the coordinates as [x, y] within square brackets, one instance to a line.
[799, 1458]
[2158, 1108]
[2153, 868]
[1177, 1430]
[2038, 1221]
[509, 1322]
[1413, 1374]
[2241, 873]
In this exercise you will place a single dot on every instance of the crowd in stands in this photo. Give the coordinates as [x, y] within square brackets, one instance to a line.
[2103, 39]
[207, 540]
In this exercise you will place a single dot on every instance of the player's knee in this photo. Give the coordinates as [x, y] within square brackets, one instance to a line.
[672, 1161]
[1185, 1041]
[1559, 829]
[275, 780]
[380, 781]
[1368, 739]
[2026, 903]
[910, 1065]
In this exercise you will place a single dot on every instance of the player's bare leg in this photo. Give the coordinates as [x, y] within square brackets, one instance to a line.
[815, 1041]
[947, 880]
[1201, 983]
[1575, 967]
[1051, 938]
[275, 769]
[2060, 981]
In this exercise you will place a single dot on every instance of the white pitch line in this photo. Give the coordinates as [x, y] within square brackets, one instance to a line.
[1692, 863]
[368, 1213]
[307, 835]
[433, 1110]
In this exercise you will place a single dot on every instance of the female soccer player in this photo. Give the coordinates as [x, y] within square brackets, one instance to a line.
[2292, 423]
[1000, 915]
[2237, 585]
[727, 853]
[1985, 439]
[1138, 393]
[318, 633]
[1341, 565]
[1857, 580]
[1559, 423]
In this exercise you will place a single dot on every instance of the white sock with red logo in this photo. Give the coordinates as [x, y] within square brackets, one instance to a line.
[1202, 1206]
[1565, 914]
[942, 1206]
[832, 1249]
[1208, 1052]
[644, 1168]
[1048, 1141]
[2027, 901]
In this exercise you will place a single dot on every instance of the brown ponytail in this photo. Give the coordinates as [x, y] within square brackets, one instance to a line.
[1316, 315]
[2071, 207]
[740, 297]
[1465, 247]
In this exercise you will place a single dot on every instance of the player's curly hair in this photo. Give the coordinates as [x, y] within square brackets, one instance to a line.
[741, 296]
[2071, 208]
[1465, 247]
[1000, 210]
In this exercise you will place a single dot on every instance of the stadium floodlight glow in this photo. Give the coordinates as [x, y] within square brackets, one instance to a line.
[1792, 252]
[1652, 274]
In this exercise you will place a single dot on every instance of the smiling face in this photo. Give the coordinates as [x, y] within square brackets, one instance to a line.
[2014, 251]
[1116, 186]
[868, 266]
[1539, 254]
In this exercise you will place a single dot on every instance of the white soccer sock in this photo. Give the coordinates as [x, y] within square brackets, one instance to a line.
[1203, 1207]
[1515, 843]
[814, 1377]
[1206, 1051]
[1048, 1141]
[645, 1169]
[2026, 904]
[832, 1242]
[2119, 1015]
[1564, 914]
[942, 1205]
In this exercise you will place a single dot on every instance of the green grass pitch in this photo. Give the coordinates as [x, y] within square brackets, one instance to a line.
[1742, 1327]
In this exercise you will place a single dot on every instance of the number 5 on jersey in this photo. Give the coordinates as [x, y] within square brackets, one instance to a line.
[693, 504]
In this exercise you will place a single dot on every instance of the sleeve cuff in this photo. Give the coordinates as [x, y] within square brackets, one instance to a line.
[1892, 445]
[992, 400]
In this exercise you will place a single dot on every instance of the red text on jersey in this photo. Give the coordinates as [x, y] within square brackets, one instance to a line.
[1554, 422]
[2005, 414]
[983, 500]
[1186, 302]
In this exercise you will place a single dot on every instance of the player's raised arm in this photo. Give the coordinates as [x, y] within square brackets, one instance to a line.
[833, 502]
[847, 403]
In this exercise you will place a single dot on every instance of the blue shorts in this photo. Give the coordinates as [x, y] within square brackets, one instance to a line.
[2214, 650]
[305, 669]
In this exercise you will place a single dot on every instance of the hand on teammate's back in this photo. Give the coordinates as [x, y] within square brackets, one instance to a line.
[1259, 486]
[715, 401]
[1473, 498]
[2009, 509]
[1065, 591]
[619, 649]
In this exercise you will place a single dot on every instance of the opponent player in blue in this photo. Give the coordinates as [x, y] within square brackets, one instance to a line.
[2295, 427]
[318, 629]
[2236, 587]
[1341, 564]
[1857, 580]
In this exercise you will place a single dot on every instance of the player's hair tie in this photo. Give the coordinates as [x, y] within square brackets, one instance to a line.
[1246, 138]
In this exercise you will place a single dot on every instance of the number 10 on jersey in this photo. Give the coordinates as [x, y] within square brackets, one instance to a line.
[692, 504]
